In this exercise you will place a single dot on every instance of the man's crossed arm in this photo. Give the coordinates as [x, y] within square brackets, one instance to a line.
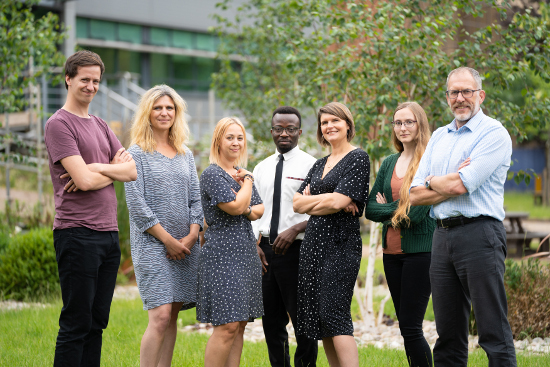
[441, 188]
[95, 176]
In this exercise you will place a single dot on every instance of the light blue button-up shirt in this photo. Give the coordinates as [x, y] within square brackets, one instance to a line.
[489, 146]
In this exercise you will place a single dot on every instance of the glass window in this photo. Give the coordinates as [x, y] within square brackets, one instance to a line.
[183, 39]
[159, 69]
[103, 30]
[129, 33]
[206, 42]
[129, 61]
[160, 36]
[183, 72]
[205, 68]
[82, 28]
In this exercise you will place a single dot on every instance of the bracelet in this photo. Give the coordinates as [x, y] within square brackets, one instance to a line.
[249, 211]
[250, 177]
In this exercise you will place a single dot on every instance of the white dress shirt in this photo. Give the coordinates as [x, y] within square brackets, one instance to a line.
[296, 166]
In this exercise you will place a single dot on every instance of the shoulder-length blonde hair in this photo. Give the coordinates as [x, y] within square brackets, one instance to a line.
[219, 134]
[422, 138]
[342, 112]
[142, 132]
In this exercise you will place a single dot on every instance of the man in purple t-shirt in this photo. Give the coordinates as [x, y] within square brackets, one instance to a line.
[85, 158]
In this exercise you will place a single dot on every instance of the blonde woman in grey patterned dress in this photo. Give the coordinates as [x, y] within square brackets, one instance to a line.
[230, 271]
[165, 219]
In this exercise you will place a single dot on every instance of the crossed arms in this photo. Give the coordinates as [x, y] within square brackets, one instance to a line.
[321, 204]
[442, 188]
[95, 176]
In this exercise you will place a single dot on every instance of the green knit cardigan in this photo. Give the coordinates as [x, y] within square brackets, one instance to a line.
[417, 237]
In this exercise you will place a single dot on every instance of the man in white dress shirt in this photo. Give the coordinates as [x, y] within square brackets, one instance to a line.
[280, 232]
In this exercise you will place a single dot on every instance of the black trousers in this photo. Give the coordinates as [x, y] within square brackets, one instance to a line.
[88, 262]
[280, 296]
[408, 277]
[468, 266]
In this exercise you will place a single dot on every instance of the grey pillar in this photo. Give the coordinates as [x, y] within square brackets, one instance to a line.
[69, 19]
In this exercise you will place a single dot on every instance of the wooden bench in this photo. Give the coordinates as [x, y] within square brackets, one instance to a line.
[521, 242]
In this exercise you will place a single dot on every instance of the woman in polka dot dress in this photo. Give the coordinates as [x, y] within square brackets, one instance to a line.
[230, 271]
[331, 250]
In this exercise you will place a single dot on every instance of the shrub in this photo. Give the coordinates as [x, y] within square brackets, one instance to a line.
[123, 219]
[28, 269]
[528, 289]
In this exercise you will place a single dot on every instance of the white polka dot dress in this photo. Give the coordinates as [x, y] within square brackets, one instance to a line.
[230, 285]
[330, 254]
[167, 192]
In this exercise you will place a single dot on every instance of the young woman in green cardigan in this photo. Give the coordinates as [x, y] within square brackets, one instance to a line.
[407, 231]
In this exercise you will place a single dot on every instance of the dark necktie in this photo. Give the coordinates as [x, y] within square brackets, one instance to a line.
[274, 229]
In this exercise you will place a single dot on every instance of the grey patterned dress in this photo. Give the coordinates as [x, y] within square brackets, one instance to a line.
[167, 192]
[230, 272]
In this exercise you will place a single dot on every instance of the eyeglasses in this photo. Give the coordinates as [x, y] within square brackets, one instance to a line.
[291, 130]
[407, 123]
[466, 93]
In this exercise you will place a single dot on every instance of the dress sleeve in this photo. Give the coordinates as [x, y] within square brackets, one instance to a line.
[354, 182]
[216, 187]
[255, 199]
[140, 213]
[195, 208]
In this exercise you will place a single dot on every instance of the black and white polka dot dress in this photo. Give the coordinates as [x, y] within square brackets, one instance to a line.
[167, 192]
[230, 284]
[330, 254]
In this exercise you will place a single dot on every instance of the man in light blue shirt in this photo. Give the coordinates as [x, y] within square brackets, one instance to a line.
[462, 174]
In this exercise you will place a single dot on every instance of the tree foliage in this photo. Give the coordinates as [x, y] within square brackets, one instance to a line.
[372, 55]
[22, 36]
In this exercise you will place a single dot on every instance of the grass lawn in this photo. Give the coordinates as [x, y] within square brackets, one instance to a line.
[524, 202]
[27, 338]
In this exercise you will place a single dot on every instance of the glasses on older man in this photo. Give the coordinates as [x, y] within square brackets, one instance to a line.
[291, 130]
[406, 123]
[466, 93]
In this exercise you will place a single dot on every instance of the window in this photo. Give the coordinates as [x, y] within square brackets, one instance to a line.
[160, 36]
[183, 39]
[206, 42]
[103, 30]
[129, 33]
[82, 27]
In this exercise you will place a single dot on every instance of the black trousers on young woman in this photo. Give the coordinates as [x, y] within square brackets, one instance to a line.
[408, 277]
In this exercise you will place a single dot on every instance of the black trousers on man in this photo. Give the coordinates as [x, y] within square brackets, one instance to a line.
[468, 266]
[88, 262]
[280, 293]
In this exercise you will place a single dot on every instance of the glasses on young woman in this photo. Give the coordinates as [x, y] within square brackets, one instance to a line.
[406, 123]
[466, 93]
[291, 130]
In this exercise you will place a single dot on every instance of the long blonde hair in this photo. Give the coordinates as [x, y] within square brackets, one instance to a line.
[422, 138]
[142, 132]
[218, 135]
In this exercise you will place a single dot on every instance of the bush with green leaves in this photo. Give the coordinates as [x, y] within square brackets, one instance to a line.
[28, 269]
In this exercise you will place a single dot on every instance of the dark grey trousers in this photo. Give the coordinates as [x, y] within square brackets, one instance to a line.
[468, 266]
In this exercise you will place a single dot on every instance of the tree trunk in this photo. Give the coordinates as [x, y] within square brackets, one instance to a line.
[369, 317]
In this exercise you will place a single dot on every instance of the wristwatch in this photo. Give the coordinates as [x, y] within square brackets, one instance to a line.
[427, 184]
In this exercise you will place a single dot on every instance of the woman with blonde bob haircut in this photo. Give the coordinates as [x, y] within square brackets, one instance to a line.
[230, 271]
[165, 219]
[407, 231]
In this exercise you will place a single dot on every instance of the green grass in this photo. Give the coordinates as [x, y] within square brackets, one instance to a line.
[524, 202]
[28, 338]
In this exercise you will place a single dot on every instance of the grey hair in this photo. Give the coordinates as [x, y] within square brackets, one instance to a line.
[472, 72]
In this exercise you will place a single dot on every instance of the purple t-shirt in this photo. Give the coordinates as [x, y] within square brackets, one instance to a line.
[66, 135]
